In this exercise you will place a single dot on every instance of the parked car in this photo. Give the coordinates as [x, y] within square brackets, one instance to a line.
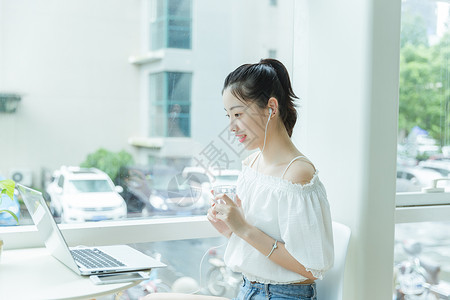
[198, 173]
[414, 179]
[85, 194]
[177, 193]
[406, 161]
[213, 177]
[225, 176]
[12, 205]
[441, 166]
[136, 183]
[204, 178]
[164, 190]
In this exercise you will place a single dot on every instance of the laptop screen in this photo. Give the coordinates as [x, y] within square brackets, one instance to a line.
[46, 226]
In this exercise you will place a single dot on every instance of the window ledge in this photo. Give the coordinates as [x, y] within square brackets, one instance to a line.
[412, 214]
[145, 142]
[114, 232]
[159, 142]
[147, 58]
[422, 199]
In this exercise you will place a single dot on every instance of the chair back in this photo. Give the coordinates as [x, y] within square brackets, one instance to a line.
[332, 285]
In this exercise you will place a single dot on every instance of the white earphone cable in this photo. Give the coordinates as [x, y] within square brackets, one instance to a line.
[200, 266]
[265, 136]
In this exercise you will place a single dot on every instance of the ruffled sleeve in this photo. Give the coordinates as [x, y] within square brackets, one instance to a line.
[306, 228]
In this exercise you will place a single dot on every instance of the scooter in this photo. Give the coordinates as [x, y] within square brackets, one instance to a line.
[220, 278]
[418, 277]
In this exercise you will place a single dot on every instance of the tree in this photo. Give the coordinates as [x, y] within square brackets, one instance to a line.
[107, 161]
[424, 80]
[414, 30]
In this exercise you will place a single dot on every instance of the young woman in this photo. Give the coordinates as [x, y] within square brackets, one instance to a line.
[279, 228]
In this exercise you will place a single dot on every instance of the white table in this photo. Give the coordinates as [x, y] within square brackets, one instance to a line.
[35, 274]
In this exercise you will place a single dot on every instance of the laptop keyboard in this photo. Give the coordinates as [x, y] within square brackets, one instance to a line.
[95, 258]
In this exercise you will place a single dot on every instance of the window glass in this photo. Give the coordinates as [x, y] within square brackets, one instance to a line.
[272, 53]
[95, 95]
[61, 181]
[170, 98]
[203, 272]
[171, 25]
[179, 34]
[158, 20]
[422, 260]
[424, 121]
[157, 112]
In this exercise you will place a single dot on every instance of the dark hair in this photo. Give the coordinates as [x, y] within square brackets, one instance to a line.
[258, 82]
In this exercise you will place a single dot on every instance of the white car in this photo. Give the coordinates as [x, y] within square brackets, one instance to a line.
[211, 178]
[414, 179]
[198, 177]
[441, 166]
[225, 176]
[79, 195]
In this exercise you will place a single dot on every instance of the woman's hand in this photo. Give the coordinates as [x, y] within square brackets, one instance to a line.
[230, 213]
[220, 226]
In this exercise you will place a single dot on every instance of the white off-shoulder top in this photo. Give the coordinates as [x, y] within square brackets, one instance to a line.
[297, 215]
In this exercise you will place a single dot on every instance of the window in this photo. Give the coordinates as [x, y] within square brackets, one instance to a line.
[61, 181]
[171, 24]
[272, 53]
[423, 141]
[105, 101]
[421, 255]
[424, 119]
[170, 97]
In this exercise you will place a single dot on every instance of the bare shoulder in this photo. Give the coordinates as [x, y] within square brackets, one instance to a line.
[250, 158]
[300, 172]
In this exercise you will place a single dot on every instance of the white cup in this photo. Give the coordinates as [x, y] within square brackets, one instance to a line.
[228, 189]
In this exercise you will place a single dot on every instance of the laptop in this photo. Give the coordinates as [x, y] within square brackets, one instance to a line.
[82, 260]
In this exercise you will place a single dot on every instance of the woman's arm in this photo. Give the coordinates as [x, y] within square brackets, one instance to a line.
[231, 214]
[264, 243]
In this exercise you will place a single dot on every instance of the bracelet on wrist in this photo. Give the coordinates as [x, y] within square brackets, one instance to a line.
[275, 246]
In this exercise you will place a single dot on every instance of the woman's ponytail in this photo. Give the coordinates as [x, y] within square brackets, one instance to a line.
[288, 113]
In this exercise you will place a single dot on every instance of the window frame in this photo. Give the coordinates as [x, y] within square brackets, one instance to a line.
[114, 232]
[422, 207]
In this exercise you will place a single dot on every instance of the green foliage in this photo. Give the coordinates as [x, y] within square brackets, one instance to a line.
[424, 80]
[422, 156]
[414, 30]
[7, 187]
[107, 161]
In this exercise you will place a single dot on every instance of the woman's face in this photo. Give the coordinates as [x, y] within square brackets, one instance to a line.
[247, 120]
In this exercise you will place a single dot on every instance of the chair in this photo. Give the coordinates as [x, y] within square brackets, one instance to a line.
[331, 287]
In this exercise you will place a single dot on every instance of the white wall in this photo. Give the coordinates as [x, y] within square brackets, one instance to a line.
[351, 126]
[69, 60]
[212, 61]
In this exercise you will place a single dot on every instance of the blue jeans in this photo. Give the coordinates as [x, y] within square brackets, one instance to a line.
[261, 291]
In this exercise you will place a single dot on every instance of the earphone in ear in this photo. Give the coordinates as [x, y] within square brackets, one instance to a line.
[270, 112]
